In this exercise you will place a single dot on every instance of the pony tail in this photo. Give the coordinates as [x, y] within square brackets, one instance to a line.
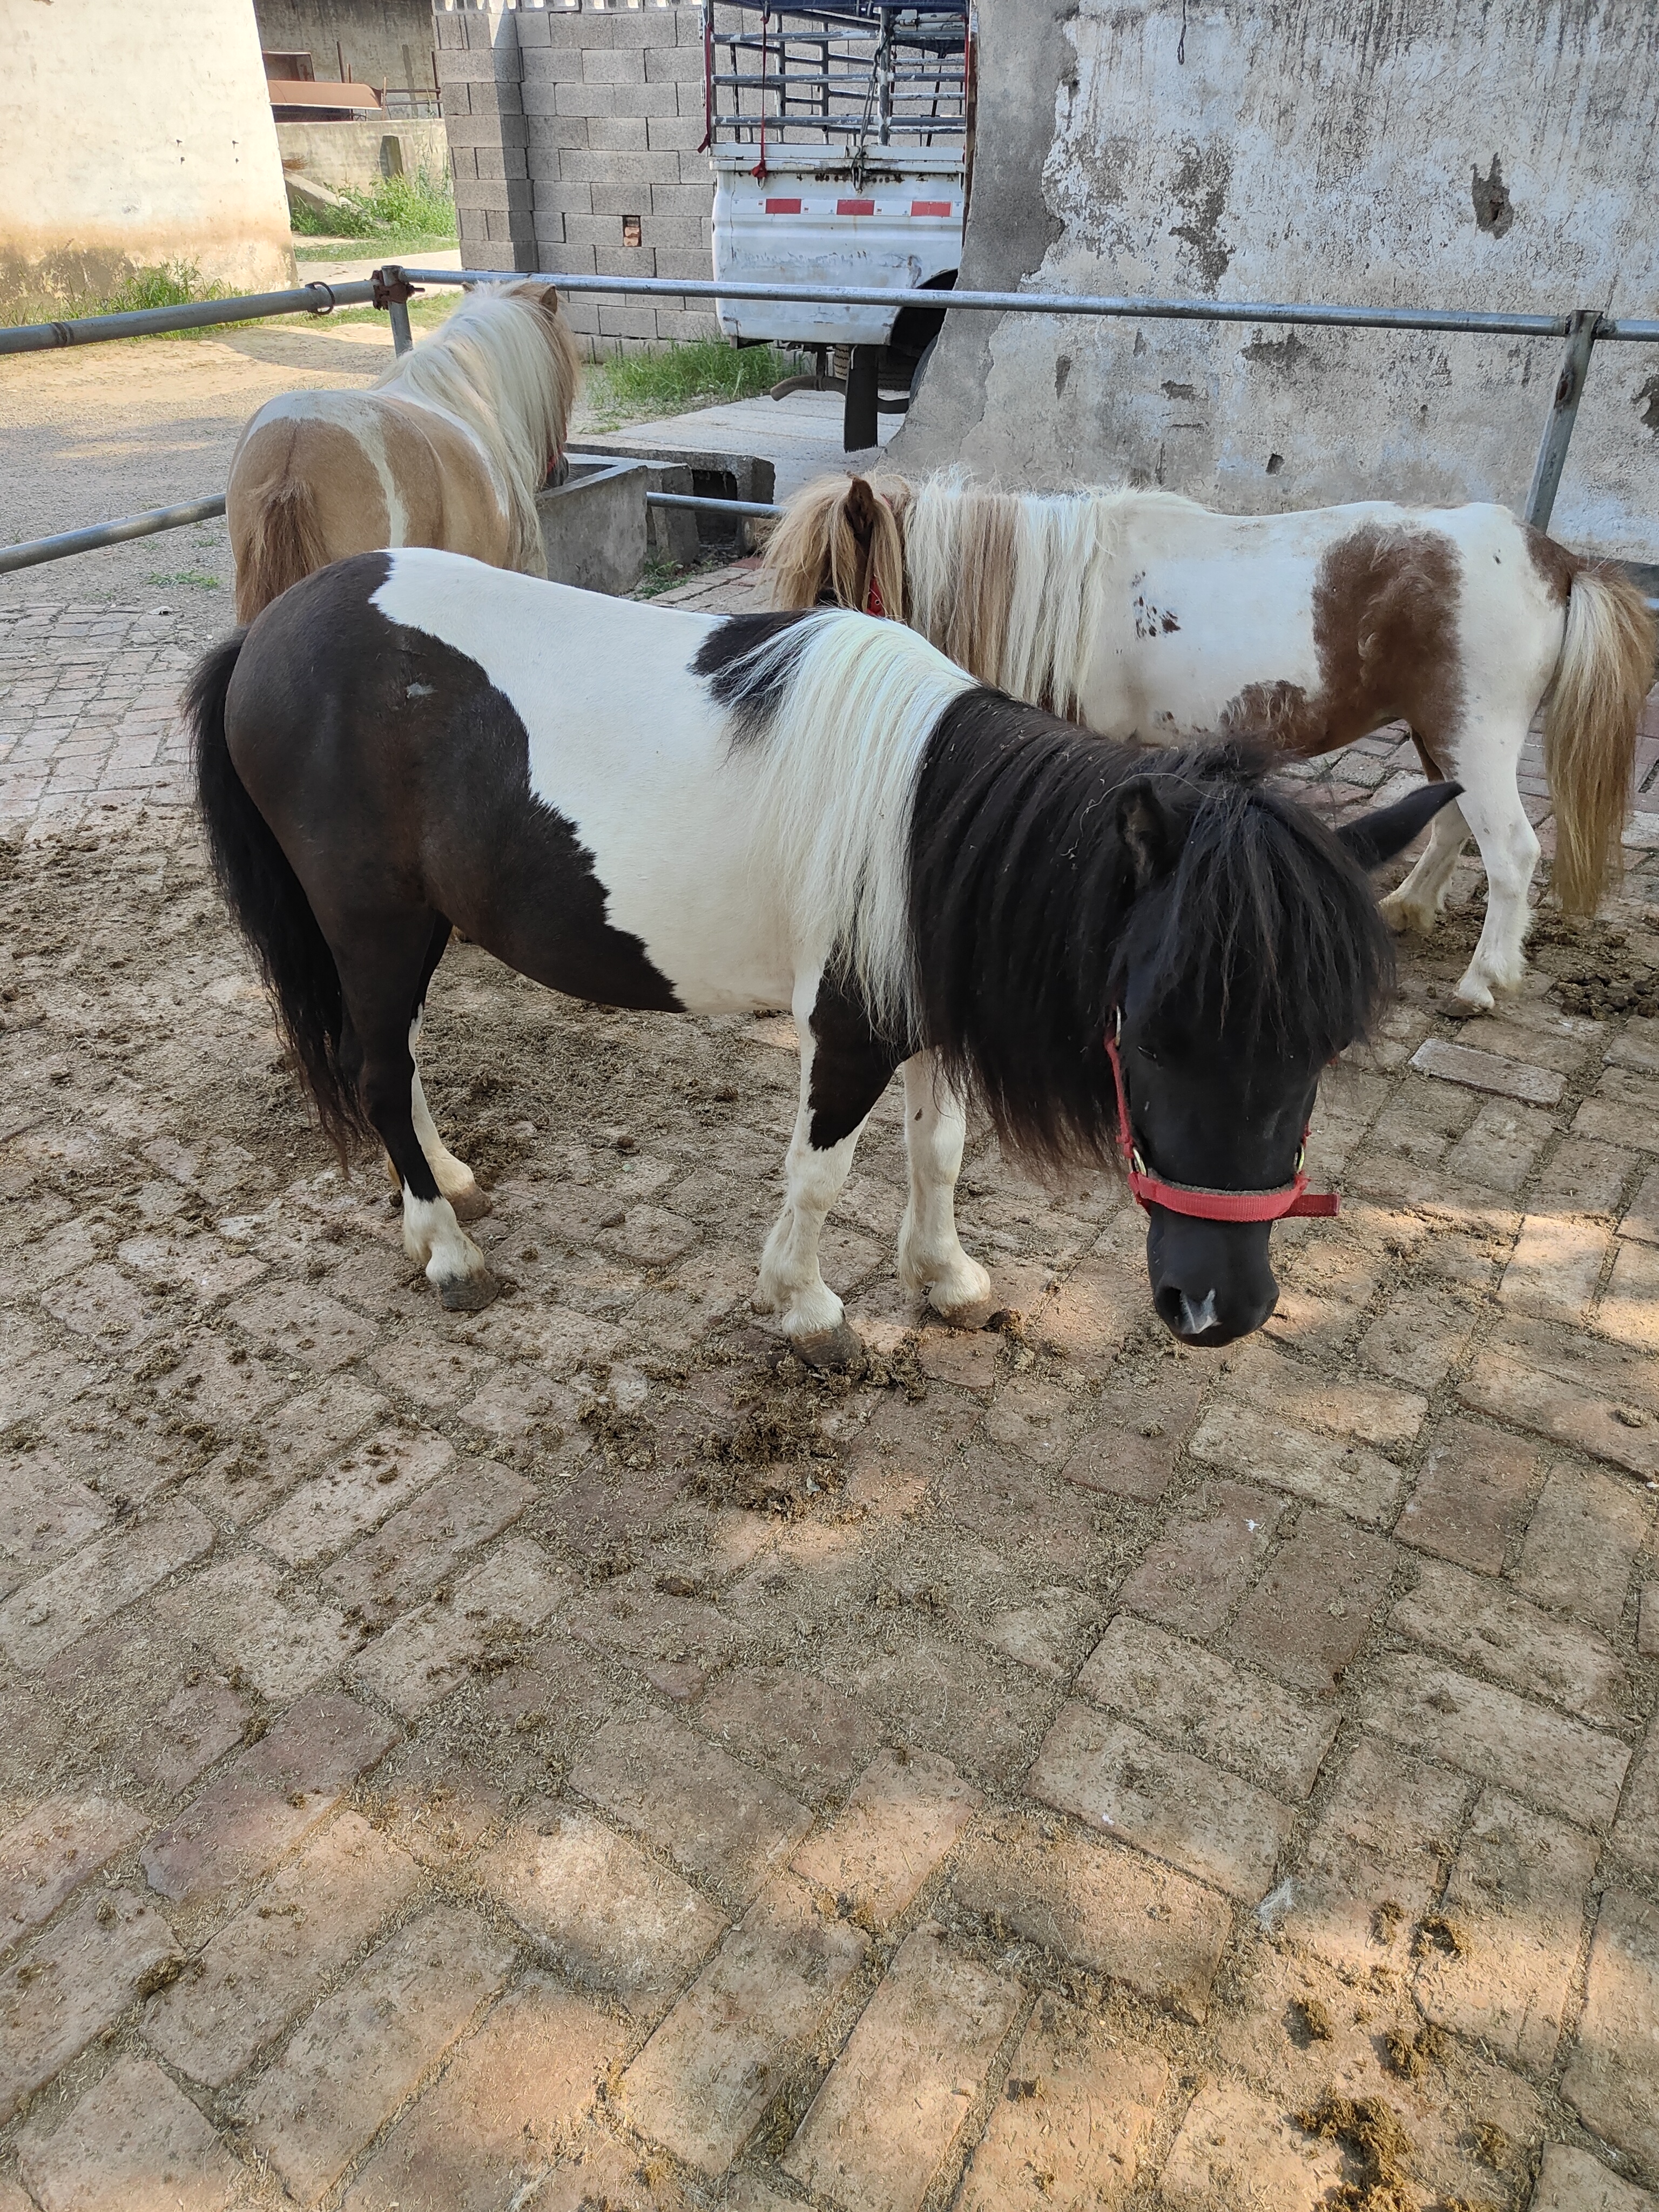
[284, 543]
[269, 905]
[1601, 679]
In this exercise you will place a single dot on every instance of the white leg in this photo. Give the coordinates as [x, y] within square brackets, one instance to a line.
[931, 1260]
[791, 1284]
[454, 1177]
[454, 1266]
[1483, 757]
[1509, 849]
[1418, 903]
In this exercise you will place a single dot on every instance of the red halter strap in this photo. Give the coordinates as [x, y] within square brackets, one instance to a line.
[1150, 1190]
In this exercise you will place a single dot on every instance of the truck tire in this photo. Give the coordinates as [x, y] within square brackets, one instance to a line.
[859, 417]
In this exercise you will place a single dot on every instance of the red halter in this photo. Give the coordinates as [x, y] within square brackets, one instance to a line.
[1150, 1190]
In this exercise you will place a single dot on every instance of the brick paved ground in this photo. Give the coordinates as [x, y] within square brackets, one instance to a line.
[552, 1758]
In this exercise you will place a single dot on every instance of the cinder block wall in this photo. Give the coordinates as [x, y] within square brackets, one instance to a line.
[568, 126]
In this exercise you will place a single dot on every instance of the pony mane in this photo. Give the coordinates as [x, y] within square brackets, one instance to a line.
[1011, 585]
[1023, 900]
[506, 366]
[831, 714]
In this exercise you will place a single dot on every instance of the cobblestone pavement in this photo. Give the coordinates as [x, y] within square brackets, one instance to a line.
[556, 1758]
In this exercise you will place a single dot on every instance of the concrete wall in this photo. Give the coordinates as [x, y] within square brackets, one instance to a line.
[562, 123]
[1480, 154]
[383, 41]
[133, 135]
[346, 156]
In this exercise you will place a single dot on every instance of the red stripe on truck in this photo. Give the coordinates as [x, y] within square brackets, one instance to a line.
[930, 207]
[783, 207]
[855, 207]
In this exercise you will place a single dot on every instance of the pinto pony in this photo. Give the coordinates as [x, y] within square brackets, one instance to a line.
[449, 447]
[662, 810]
[1142, 616]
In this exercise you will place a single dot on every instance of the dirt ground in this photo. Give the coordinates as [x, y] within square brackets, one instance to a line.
[568, 1758]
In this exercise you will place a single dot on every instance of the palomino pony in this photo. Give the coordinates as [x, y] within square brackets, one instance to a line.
[449, 447]
[662, 810]
[1141, 615]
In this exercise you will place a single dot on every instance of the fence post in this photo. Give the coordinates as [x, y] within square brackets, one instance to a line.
[391, 291]
[1582, 327]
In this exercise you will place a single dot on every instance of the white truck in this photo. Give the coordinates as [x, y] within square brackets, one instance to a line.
[841, 139]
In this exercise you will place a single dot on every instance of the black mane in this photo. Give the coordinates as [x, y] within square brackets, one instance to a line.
[1024, 896]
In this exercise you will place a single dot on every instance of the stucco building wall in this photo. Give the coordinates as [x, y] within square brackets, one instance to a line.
[351, 156]
[1478, 154]
[133, 135]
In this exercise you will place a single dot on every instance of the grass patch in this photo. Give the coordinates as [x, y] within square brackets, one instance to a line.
[634, 386]
[661, 573]
[199, 577]
[410, 212]
[169, 284]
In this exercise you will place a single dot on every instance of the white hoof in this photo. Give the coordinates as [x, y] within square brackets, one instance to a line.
[961, 1293]
[1403, 915]
[816, 1311]
[1472, 996]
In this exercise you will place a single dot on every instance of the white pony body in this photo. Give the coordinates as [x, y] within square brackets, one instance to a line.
[1143, 615]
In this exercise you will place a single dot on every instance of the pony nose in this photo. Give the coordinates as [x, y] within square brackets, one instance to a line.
[1204, 1319]
[1186, 1316]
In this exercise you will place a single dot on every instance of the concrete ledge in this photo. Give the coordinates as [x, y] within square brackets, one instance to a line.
[593, 525]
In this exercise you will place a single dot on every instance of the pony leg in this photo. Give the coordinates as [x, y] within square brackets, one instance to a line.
[931, 1260]
[454, 1177]
[1508, 851]
[843, 1071]
[383, 1067]
[1418, 903]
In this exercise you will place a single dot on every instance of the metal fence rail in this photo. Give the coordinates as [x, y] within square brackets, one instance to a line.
[314, 299]
[391, 287]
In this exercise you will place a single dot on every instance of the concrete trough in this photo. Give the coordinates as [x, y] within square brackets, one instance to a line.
[594, 523]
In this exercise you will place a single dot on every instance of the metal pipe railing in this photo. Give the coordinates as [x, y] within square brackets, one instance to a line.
[1308, 313]
[109, 533]
[314, 299]
[389, 288]
[37, 550]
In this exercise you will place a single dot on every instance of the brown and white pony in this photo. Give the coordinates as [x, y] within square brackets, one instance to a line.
[448, 448]
[1142, 615]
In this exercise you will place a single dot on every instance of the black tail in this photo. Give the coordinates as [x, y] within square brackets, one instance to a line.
[269, 905]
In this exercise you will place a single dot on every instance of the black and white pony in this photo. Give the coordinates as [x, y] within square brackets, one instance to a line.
[668, 810]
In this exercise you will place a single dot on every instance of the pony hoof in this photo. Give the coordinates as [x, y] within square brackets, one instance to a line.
[1412, 921]
[838, 1351]
[472, 1203]
[468, 1293]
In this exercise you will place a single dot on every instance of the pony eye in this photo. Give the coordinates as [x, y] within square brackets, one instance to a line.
[1146, 1052]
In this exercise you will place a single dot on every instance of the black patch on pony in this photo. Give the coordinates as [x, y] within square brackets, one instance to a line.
[264, 898]
[749, 694]
[304, 702]
[1033, 865]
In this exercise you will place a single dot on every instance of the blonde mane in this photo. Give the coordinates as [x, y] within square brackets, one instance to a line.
[506, 366]
[1011, 585]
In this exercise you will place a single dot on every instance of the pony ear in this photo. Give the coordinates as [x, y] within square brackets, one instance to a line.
[1378, 836]
[1148, 830]
[859, 508]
